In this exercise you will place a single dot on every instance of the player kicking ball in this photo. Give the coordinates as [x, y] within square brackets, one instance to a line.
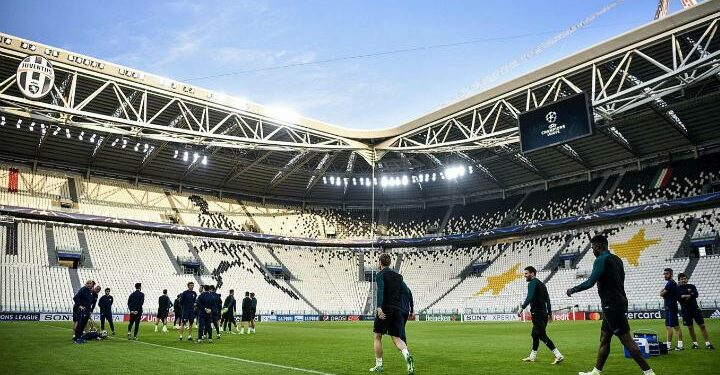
[609, 274]
[388, 315]
[539, 301]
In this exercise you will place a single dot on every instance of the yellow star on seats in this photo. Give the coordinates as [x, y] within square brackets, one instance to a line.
[497, 283]
[634, 247]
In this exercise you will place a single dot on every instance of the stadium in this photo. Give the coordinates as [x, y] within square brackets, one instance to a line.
[119, 176]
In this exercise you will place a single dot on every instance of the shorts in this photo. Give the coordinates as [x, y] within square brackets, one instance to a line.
[188, 315]
[393, 324]
[671, 318]
[247, 316]
[690, 315]
[162, 315]
[539, 322]
[615, 322]
[215, 316]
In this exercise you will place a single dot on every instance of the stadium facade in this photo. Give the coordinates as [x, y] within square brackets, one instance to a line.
[130, 177]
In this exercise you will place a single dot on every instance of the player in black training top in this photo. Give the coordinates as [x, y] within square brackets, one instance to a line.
[206, 303]
[691, 311]
[670, 295]
[229, 314]
[389, 314]
[177, 311]
[539, 301]
[135, 305]
[105, 304]
[164, 305]
[246, 317]
[609, 274]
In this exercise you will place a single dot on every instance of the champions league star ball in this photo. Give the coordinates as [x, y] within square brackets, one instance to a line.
[35, 77]
[551, 117]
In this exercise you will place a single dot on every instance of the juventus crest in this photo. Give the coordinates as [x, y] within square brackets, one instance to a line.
[35, 77]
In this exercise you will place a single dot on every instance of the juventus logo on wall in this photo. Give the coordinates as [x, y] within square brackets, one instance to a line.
[35, 77]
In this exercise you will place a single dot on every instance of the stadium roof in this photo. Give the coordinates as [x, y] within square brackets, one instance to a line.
[654, 90]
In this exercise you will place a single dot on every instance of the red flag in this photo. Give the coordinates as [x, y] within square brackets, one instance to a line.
[13, 180]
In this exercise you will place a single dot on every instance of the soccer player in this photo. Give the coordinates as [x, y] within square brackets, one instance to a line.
[81, 310]
[408, 307]
[609, 274]
[671, 295]
[217, 306]
[246, 313]
[95, 294]
[691, 311]
[105, 304]
[253, 311]
[135, 305]
[187, 301]
[539, 301]
[205, 302]
[229, 316]
[177, 311]
[388, 315]
[164, 305]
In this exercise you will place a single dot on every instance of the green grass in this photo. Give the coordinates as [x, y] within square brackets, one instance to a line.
[332, 347]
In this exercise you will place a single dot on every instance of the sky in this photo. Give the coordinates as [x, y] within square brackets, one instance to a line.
[423, 54]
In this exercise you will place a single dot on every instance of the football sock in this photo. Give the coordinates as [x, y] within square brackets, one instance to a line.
[405, 353]
[378, 362]
[557, 353]
[648, 372]
[679, 344]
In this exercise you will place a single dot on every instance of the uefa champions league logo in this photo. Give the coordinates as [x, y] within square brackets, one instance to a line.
[553, 128]
[35, 77]
[551, 117]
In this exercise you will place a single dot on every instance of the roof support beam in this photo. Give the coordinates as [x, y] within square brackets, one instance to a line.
[482, 169]
[297, 162]
[573, 155]
[235, 172]
[320, 170]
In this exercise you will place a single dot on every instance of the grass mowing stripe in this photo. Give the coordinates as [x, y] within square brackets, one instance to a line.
[221, 356]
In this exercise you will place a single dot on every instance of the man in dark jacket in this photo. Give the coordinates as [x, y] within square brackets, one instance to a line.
[217, 306]
[164, 305]
[81, 310]
[177, 310]
[105, 304]
[135, 305]
[205, 303]
[253, 311]
[229, 315]
[95, 294]
[246, 307]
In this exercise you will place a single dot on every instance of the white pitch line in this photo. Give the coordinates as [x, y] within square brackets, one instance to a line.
[224, 356]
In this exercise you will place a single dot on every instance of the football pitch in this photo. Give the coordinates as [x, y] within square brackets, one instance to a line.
[333, 348]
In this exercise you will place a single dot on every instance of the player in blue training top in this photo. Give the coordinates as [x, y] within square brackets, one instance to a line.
[389, 315]
[671, 295]
[187, 302]
[691, 311]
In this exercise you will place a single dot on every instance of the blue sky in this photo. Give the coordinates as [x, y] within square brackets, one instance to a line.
[193, 39]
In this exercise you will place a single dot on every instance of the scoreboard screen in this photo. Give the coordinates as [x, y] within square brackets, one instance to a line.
[556, 123]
